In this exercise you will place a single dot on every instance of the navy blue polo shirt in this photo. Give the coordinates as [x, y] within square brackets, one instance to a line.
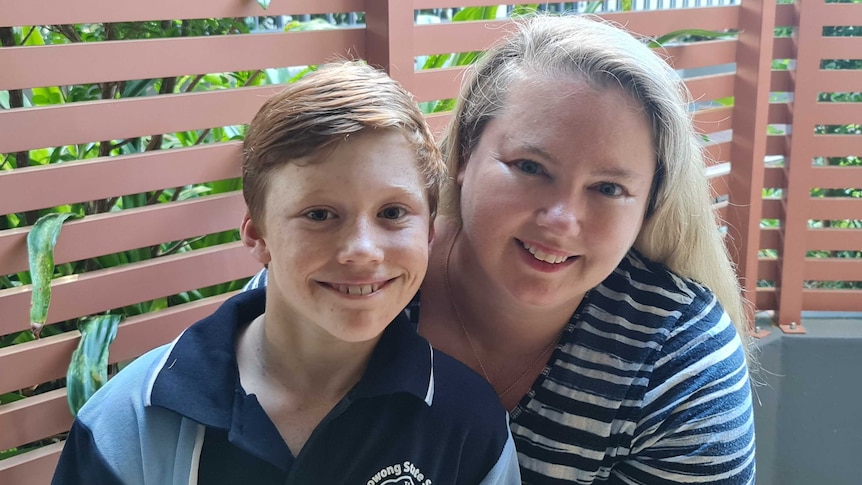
[179, 415]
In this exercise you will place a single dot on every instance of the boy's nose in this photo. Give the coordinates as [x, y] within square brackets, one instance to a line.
[360, 245]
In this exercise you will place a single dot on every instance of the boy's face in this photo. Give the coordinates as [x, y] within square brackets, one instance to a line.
[345, 237]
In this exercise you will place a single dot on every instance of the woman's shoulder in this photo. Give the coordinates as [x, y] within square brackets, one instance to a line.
[646, 299]
[653, 284]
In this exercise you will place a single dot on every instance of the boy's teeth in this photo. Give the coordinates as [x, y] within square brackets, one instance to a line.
[543, 256]
[358, 289]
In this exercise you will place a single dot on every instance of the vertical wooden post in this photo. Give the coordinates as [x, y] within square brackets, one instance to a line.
[798, 167]
[751, 89]
[389, 38]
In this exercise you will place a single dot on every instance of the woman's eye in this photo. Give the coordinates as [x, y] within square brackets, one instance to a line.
[529, 167]
[319, 215]
[392, 213]
[610, 189]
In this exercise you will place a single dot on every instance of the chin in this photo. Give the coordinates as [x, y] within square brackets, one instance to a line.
[358, 332]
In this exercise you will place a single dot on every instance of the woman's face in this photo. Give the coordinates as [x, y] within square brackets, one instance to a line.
[554, 194]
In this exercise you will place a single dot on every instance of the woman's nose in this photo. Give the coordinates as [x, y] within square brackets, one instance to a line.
[561, 216]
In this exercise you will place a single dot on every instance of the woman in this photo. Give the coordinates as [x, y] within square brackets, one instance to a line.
[571, 262]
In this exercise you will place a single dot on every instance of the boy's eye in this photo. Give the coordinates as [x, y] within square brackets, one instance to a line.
[392, 213]
[610, 189]
[319, 215]
[529, 167]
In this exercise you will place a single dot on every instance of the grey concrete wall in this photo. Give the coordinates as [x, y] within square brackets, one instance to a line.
[809, 415]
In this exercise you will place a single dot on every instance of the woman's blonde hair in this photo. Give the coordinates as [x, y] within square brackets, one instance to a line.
[681, 229]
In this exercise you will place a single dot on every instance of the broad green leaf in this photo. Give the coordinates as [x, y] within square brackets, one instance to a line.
[10, 397]
[524, 10]
[41, 96]
[593, 7]
[701, 33]
[193, 192]
[88, 370]
[263, 3]
[16, 338]
[40, 248]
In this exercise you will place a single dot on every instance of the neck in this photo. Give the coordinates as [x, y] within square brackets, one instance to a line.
[495, 320]
[284, 359]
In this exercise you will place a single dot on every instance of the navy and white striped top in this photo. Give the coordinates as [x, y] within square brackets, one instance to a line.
[648, 385]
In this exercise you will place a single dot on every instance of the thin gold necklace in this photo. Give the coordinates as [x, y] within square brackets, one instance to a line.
[470, 340]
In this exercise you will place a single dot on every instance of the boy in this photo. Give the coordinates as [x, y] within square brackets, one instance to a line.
[307, 381]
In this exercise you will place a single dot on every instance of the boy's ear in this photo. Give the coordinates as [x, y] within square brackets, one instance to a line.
[431, 231]
[253, 239]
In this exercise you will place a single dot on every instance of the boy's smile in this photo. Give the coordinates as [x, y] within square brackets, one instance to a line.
[345, 235]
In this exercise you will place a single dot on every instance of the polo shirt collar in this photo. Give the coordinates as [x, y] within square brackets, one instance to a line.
[200, 377]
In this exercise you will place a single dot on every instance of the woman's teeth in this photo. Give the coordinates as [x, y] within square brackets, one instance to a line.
[543, 256]
[357, 289]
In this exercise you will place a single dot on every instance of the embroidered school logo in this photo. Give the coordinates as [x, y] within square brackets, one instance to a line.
[400, 474]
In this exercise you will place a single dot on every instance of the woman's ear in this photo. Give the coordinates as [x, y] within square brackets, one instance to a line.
[462, 169]
[431, 230]
[252, 238]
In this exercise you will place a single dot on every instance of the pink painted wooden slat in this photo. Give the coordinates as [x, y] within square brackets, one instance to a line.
[785, 15]
[177, 57]
[832, 300]
[113, 232]
[784, 49]
[781, 82]
[834, 269]
[836, 145]
[706, 88]
[438, 122]
[834, 208]
[767, 269]
[126, 118]
[839, 114]
[841, 47]
[102, 178]
[770, 238]
[834, 240]
[750, 89]
[777, 144]
[34, 418]
[839, 81]
[435, 84]
[772, 209]
[701, 54]
[716, 152]
[389, 39]
[48, 12]
[659, 22]
[86, 294]
[421, 4]
[779, 114]
[837, 177]
[32, 468]
[713, 120]
[774, 177]
[797, 202]
[135, 336]
[766, 299]
[836, 14]
[459, 36]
